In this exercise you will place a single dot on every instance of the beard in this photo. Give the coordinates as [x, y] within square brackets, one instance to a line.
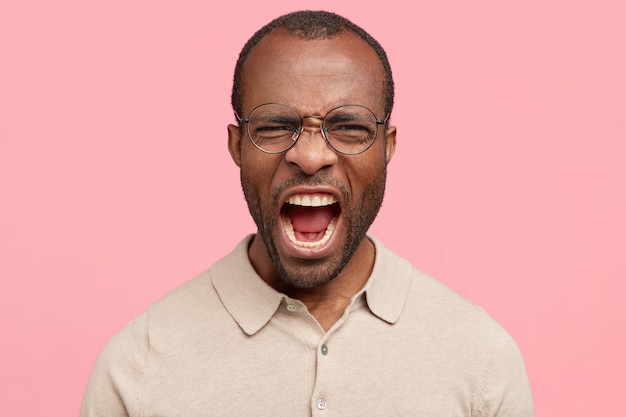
[357, 219]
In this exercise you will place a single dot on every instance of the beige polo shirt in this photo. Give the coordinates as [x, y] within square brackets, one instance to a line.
[227, 344]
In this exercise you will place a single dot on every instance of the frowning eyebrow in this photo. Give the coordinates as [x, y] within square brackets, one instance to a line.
[277, 118]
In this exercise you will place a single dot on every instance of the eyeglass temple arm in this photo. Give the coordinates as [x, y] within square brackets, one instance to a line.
[240, 119]
[385, 120]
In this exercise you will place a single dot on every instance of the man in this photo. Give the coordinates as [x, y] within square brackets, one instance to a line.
[310, 316]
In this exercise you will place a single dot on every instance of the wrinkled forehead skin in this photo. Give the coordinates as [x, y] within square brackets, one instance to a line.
[283, 63]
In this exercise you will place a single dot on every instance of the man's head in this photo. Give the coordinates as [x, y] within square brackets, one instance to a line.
[312, 204]
[312, 25]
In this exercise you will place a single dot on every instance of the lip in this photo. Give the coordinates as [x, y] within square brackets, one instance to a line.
[312, 190]
[309, 253]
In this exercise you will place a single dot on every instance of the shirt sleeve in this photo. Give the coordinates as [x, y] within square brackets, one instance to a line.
[115, 386]
[505, 388]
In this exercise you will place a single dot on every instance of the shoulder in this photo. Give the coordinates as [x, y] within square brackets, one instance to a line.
[182, 312]
[133, 342]
[453, 317]
[118, 378]
[425, 299]
[462, 339]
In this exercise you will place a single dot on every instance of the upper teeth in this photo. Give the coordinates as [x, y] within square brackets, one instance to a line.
[311, 200]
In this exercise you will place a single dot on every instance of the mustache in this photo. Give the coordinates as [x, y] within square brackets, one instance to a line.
[319, 179]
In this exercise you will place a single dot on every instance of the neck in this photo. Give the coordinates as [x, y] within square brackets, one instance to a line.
[328, 302]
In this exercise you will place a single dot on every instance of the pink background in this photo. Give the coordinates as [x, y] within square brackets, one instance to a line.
[508, 183]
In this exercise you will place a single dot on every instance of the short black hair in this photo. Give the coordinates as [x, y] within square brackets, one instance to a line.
[312, 25]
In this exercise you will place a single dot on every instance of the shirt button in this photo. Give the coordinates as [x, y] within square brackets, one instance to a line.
[324, 350]
[320, 403]
[292, 308]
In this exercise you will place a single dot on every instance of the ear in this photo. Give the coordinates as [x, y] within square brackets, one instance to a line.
[234, 143]
[390, 143]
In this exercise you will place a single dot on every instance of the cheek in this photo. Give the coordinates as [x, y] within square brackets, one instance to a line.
[259, 171]
[366, 170]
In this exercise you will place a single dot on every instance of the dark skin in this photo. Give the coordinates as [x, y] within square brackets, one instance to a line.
[328, 302]
[313, 76]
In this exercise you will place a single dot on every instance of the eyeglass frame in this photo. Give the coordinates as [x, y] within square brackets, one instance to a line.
[301, 128]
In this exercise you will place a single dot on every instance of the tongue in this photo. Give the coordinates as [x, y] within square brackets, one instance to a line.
[309, 219]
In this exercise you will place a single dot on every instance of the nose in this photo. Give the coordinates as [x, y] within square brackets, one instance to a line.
[311, 152]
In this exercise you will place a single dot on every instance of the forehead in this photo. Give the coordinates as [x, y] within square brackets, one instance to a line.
[313, 75]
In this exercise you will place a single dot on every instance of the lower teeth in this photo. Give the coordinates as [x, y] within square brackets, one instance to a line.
[292, 235]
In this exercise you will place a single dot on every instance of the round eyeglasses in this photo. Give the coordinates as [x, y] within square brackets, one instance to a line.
[274, 128]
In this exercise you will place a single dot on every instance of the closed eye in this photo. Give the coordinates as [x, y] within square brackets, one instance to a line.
[348, 127]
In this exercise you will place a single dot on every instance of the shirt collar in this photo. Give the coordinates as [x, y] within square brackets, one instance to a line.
[252, 302]
[388, 287]
[248, 299]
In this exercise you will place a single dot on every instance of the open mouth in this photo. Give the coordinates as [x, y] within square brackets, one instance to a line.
[310, 219]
